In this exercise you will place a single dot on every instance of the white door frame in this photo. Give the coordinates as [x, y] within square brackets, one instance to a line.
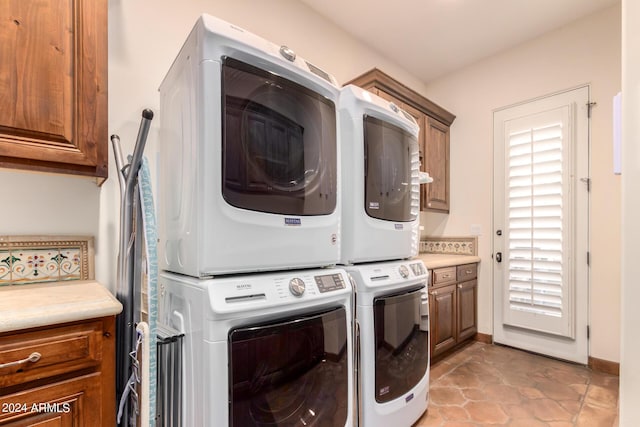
[576, 349]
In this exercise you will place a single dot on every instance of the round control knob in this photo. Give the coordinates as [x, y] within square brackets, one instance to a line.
[296, 286]
[393, 107]
[404, 271]
[287, 53]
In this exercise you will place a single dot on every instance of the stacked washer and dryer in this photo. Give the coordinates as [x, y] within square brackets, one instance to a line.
[288, 214]
[380, 233]
[249, 227]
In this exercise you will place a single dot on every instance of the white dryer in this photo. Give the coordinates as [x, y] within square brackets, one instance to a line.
[380, 189]
[392, 342]
[271, 349]
[249, 160]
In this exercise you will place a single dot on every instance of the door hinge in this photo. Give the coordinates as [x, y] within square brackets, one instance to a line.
[590, 105]
[588, 258]
[588, 332]
[588, 182]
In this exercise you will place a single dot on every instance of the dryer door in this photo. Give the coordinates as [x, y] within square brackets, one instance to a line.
[279, 143]
[388, 168]
[402, 347]
[290, 373]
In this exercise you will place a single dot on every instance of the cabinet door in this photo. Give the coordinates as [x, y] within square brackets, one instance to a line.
[437, 164]
[467, 309]
[53, 86]
[443, 318]
[74, 402]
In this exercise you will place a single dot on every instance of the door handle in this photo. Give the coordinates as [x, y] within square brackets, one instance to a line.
[499, 256]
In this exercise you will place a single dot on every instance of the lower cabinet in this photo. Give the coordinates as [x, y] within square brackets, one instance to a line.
[467, 309]
[443, 309]
[453, 307]
[66, 403]
[60, 375]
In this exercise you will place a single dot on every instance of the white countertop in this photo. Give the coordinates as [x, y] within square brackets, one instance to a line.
[31, 306]
[432, 261]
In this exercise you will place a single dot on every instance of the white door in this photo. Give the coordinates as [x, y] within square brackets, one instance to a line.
[541, 205]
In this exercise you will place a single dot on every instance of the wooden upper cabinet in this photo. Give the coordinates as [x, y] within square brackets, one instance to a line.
[437, 164]
[53, 86]
[434, 141]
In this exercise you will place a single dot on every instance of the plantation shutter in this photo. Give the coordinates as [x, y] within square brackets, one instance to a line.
[538, 209]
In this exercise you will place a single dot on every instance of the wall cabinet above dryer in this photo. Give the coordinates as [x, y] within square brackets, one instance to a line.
[53, 86]
[434, 141]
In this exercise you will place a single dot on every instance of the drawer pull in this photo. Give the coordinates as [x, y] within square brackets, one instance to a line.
[445, 276]
[468, 271]
[435, 293]
[33, 358]
[459, 286]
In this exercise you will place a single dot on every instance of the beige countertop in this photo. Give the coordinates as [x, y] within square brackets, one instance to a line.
[30, 306]
[432, 261]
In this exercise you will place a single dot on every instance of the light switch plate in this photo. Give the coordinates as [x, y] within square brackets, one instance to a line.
[476, 230]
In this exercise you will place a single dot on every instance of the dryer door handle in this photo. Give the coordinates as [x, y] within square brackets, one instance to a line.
[424, 311]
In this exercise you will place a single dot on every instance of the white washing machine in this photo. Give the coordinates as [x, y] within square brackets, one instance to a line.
[249, 157]
[380, 189]
[271, 349]
[392, 342]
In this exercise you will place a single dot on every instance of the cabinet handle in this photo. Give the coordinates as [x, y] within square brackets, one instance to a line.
[435, 293]
[459, 286]
[33, 357]
[468, 271]
[445, 276]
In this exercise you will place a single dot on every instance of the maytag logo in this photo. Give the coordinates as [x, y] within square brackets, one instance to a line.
[292, 221]
[243, 286]
[399, 226]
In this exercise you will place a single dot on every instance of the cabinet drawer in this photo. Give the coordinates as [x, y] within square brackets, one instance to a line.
[467, 272]
[443, 275]
[61, 350]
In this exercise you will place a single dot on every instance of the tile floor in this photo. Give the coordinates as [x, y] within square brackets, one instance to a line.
[485, 384]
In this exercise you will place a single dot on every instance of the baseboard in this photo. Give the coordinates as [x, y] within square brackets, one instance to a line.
[485, 338]
[605, 366]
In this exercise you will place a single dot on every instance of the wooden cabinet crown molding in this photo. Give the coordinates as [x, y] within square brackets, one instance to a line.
[383, 81]
[53, 86]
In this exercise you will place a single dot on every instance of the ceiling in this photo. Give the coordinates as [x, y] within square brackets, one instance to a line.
[430, 38]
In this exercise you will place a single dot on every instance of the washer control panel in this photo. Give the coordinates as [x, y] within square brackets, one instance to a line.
[329, 282]
[404, 271]
[297, 286]
[418, 268]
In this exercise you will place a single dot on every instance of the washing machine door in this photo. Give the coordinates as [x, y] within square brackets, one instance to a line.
[279, 143]
[290, 373]
[388, 167]
[402, 346]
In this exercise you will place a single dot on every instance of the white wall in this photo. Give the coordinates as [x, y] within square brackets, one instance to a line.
[587, 51]
[39, 203]
[630, 347]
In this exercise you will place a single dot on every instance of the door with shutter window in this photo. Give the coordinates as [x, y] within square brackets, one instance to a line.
[541, 170]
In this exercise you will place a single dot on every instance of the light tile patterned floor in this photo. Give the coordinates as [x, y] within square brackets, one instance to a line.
[492, 385]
